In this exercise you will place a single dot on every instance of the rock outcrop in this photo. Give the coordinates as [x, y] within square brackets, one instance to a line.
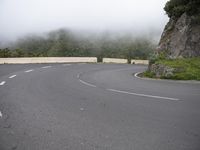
[161, 71]
[181, 38]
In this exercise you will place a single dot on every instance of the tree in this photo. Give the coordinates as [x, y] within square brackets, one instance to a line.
[17, 53]
[5, 53]
[175, 8]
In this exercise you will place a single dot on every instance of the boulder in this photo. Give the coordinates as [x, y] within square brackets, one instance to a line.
[161, 71]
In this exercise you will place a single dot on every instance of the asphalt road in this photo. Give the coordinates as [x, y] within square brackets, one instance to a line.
[95, 107]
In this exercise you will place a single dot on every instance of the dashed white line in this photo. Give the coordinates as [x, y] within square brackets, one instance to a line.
[1, 115]
[46, 67]
[143, 95]
[81, 109]
[88, 84]
[12, 76]
[3, 82]
[29, 70]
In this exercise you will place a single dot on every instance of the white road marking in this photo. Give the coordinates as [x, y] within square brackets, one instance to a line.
[47, 67]
[12, 76]
[136, 75]
[3, 82]
[1, 115]
[87, 83]
[143, 95]
[66, 64]
[29, 70]
[81, 109]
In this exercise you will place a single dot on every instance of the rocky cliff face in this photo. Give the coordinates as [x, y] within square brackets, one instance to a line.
[181, 38]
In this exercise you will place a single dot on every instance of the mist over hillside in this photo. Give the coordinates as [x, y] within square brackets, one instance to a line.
[63, 42]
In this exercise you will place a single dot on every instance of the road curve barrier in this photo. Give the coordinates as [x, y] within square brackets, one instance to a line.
[125, 61]
[115, 60]
[34, 60]
[142, 62]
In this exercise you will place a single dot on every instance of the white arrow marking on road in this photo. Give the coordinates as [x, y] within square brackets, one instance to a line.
[12, 76]
[143, 95]
[3, 82]
[29, 70]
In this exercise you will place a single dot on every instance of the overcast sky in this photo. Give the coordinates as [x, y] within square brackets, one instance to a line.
[20, 17]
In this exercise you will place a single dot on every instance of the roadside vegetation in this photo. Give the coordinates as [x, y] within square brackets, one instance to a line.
[176, 69]
[186, 68]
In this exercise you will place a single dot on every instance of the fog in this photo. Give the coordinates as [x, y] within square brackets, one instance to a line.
[22, 17]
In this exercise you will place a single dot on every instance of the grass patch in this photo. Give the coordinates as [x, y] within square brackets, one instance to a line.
[148, 74]
[184, 68]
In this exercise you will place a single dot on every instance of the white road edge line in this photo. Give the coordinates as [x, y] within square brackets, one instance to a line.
[46, 67]
[143, 95]
[3, 82]
[29, 70]
[1, 115]
[12, 76]
[87, 83]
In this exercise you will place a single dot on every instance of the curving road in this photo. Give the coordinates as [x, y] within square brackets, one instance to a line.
[95, 107]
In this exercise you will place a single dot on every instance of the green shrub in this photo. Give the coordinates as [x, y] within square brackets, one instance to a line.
[149, 74]
[152, 59]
